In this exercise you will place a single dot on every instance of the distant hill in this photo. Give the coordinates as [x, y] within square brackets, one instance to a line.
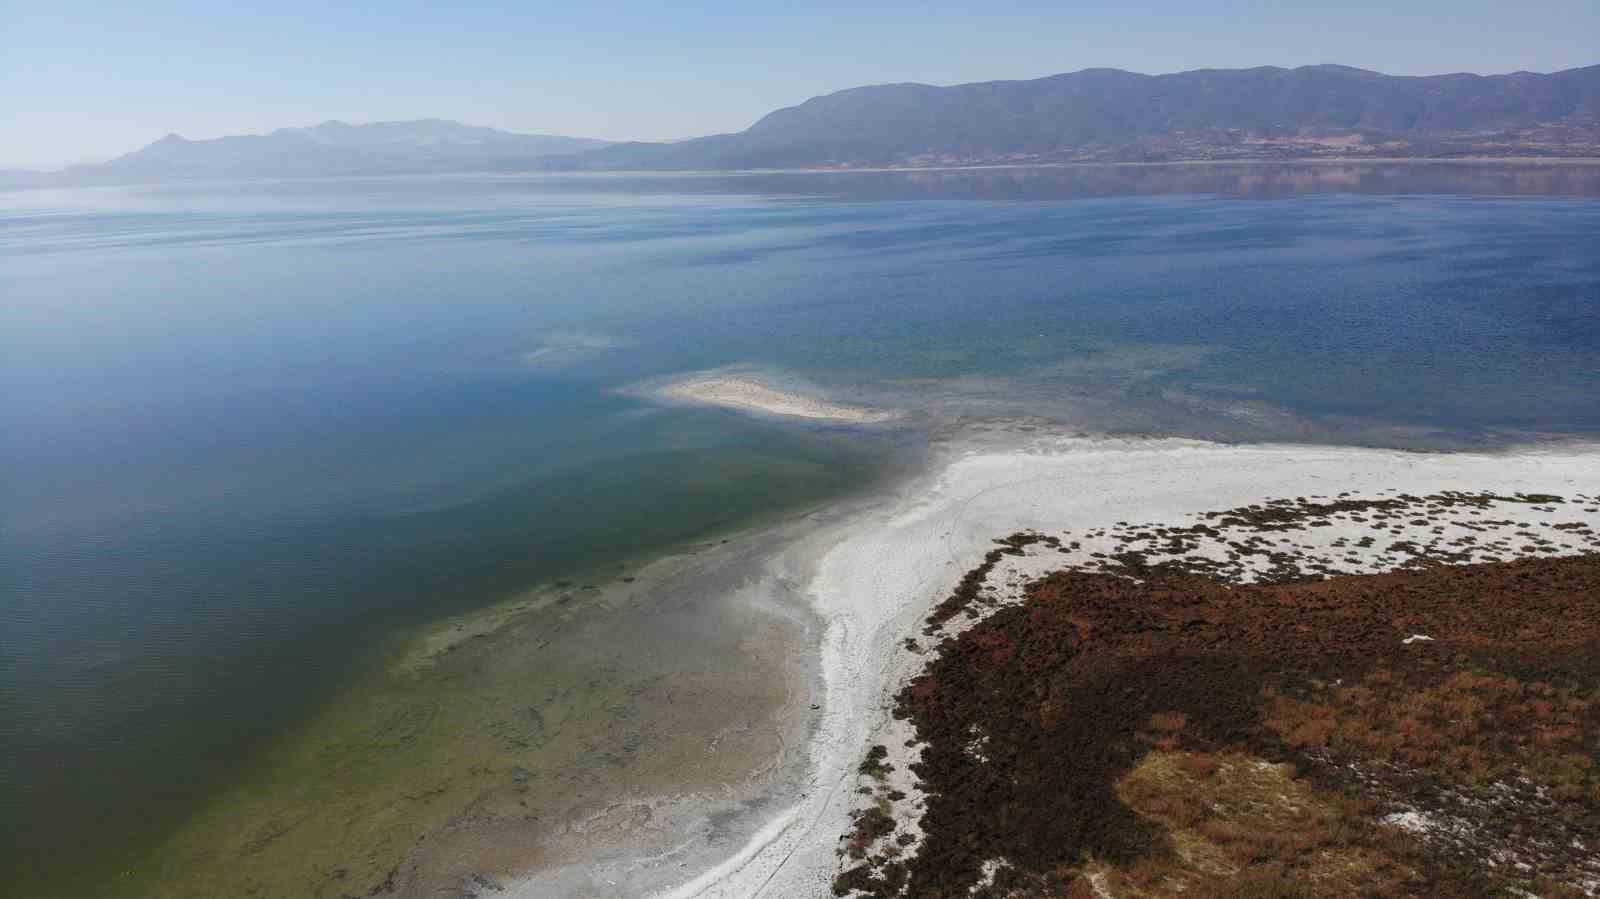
[335, 148]
[1112, 115]
[21, 178]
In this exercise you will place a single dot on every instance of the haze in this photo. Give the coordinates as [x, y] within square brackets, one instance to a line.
[87, 82]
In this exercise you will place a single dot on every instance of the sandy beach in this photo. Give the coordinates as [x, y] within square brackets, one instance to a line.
[874, 578]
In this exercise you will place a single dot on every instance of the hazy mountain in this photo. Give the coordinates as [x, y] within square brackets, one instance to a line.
[21, 178]
[1091, 115]
[336, 148]
[1111, 114]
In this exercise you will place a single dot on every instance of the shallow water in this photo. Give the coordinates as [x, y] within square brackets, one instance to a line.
[258, 436]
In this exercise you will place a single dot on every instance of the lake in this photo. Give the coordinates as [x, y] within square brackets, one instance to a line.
[258, 437]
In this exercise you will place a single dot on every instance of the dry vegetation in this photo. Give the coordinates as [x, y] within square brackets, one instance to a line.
[1236, 824]
[1151, 729]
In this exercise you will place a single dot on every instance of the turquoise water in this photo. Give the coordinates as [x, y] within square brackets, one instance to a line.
[246, 428]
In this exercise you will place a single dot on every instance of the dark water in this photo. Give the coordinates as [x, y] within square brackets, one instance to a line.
[245, 429]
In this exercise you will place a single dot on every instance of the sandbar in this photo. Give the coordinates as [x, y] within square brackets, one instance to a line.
[749, 395]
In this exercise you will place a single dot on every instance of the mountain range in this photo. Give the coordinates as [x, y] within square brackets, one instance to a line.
[334, 148]
[1112, 115]
[1089, 115]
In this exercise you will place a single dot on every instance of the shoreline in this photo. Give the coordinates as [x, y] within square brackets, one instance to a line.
[878, 574]
[548, 737]
[1005, 166]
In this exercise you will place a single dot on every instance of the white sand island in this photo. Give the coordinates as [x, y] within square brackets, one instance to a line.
[745, 394]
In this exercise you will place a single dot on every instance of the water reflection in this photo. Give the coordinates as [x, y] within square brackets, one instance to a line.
[1264, 180]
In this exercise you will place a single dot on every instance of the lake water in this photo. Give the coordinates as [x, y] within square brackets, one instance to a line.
[256, 436]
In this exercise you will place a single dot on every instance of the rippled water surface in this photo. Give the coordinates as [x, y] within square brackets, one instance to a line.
[250, 433]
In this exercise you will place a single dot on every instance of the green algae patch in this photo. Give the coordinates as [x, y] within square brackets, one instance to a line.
[334, 809]
[490, 734]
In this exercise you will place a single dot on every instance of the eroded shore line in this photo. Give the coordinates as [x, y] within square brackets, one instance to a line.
[877, 576]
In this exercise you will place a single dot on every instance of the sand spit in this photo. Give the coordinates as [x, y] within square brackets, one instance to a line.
[745, 394]
[875, 578]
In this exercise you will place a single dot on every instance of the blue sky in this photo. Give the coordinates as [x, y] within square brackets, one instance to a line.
[85, 81]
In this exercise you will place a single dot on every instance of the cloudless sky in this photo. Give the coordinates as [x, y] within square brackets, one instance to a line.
[90, 80]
